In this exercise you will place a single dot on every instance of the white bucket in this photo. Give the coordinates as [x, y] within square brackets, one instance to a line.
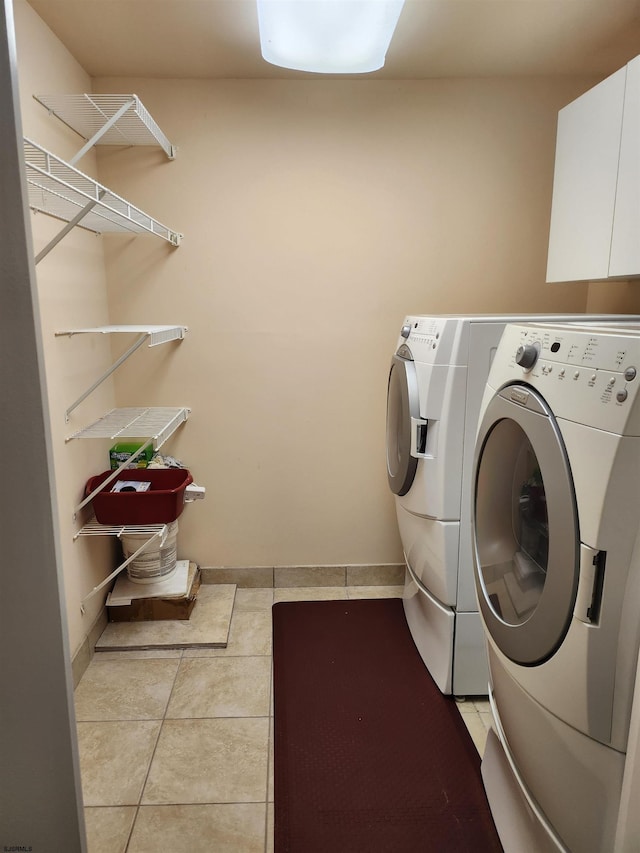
[157, 562]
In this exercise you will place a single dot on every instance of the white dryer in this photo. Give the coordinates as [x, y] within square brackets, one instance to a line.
[556, 515]
[436, 382]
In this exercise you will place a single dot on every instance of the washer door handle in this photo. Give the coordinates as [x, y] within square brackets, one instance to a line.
[419, 428]
[590, 583]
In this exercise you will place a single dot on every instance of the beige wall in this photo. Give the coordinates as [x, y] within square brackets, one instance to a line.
[316, 214]
[621, 297]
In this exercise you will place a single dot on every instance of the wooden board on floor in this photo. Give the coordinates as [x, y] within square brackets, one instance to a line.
[152, 609]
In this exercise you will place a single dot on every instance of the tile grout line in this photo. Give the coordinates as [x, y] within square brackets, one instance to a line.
[153, 753]
[271, 717]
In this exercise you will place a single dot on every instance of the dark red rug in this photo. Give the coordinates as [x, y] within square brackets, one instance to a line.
[370, 757]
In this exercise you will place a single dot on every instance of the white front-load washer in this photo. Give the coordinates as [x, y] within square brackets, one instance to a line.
[436, 382]
[556, 518]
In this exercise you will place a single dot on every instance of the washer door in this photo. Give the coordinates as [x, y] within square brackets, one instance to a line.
[402, 405]
[525, 527]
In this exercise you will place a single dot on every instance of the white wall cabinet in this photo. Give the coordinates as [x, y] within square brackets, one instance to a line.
[586, 180]
[625, 241]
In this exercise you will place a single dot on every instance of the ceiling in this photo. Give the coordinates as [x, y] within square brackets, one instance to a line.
[434, 38]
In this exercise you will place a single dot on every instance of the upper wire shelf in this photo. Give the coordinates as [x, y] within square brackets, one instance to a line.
[108, 119]
[62, 191]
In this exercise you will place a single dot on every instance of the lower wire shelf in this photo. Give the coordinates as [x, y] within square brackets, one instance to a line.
[137, 421]
[94, 528]
[156, 424]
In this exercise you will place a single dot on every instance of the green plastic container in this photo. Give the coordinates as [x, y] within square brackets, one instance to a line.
[120, 452]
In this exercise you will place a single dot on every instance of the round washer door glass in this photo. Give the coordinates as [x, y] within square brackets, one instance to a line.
[402, 405]
[525, 524]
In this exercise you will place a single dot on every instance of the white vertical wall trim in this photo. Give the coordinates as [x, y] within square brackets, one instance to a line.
[40, 794]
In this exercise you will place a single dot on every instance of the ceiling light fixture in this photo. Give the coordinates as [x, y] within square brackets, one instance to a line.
[327, 36]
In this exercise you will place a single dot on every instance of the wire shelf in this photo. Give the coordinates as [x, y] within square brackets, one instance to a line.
[156, 334]
[62, 191]
[136, 422]
[87, 114]
[94, 528]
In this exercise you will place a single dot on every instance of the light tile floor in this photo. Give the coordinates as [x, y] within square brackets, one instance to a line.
[176, 745]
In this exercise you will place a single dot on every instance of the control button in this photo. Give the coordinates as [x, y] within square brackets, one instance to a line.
[527, 355]
[630, 373]
[622, 395]
[576, 375]
[405, 331]
[562, 371]
[550, 368]
[612, 381]
[594, 376]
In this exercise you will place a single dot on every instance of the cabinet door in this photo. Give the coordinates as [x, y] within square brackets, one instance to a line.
[625, 243]
[584, 185]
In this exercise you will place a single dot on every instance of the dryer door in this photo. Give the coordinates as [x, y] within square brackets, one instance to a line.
[525, 527]
[403, 411]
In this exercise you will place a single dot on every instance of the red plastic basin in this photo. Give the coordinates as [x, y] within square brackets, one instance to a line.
[161, 504]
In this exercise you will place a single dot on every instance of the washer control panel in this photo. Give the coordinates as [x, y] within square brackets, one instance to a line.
[607, 348]
[423, 330]
[587, 373]
[432, 339]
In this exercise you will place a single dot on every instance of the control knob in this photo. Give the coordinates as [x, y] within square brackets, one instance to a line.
[527, 355]
[405, 331]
